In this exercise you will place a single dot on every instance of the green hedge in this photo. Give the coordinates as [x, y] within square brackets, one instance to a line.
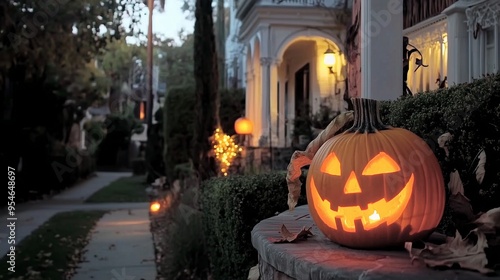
[232, 206]
[471, 112]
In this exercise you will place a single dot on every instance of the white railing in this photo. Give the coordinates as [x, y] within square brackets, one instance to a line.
[320, 3]
[242, 6]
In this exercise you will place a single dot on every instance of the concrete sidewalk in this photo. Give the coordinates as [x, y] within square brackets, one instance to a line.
[33, 214]
[121, 247]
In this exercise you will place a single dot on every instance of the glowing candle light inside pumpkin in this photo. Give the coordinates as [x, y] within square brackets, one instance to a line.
[375, 216]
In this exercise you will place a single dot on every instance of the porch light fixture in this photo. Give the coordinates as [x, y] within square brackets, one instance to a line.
[329, 59]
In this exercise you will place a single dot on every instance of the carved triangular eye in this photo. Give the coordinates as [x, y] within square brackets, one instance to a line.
[381, 164]
[331, 165]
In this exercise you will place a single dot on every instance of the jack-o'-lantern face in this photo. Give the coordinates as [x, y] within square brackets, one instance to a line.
[373, 185]
[359, 199]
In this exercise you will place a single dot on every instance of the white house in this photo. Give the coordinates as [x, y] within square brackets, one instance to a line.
[460, 41]
[276, 49]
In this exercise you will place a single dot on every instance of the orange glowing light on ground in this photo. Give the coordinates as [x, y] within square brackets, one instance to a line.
[142, 113]
[155, 206]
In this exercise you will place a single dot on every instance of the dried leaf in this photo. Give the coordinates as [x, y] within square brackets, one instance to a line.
[461, 207]
[254, 273]
[480, 171]
[287, 236]
[457, 251]
[455, 185]
[443, 142]
[489, 222]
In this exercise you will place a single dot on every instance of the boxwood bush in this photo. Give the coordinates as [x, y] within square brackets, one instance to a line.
[232, 206]
[471, 113]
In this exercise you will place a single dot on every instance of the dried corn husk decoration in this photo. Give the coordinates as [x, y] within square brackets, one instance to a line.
[302, 158]
[480, 171]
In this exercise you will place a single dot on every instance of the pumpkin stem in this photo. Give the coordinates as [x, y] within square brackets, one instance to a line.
[366, 116]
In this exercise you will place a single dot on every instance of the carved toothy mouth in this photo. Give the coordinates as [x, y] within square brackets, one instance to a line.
[377, 213]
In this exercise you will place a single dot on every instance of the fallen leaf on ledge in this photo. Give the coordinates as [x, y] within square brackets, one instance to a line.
[466, 252]
[489, 222]
[289, 237]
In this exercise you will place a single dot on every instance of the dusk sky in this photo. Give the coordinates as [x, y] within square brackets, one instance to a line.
[168, 22]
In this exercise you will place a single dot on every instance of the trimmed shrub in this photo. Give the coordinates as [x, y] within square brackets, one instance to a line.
[178, 127]
[186, 256]
[232, 206]
[471, 113]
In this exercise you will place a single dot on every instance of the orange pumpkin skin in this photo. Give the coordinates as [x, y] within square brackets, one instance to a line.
[375, 186]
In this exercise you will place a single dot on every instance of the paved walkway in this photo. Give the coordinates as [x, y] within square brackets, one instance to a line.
[121, 248]
[127, 226]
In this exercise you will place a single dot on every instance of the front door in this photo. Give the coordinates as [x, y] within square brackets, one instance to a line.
[302, 105]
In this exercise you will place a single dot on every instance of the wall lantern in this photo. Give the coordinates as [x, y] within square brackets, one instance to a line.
[243, 126]
[329, 59]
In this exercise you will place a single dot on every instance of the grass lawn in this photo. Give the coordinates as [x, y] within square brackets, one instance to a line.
[54, 249]
[126, 189]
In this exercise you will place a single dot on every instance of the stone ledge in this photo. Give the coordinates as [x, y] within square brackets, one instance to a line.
[318, 258]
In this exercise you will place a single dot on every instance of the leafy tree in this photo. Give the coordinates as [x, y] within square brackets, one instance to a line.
[176, 62]
[46, 49]
[90, 84]
[118, 58]
[61, 35]
[207, 98]
[221, 42]
[118, 63]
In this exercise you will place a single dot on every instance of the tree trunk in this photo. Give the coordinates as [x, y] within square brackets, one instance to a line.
[354, 51]
[207, 98]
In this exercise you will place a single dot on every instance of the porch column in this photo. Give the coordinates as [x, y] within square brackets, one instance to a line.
[282, 110]
[266, 62]
[274, 101]
[381, 49]
[458, 43]
[250, 100]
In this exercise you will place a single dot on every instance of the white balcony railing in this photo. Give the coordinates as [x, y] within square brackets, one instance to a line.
[243, 6]
[326, 3]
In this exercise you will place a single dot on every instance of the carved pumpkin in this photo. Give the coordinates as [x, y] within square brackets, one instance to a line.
[375, 186]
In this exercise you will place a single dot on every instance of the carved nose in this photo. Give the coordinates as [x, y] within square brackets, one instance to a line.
[352, 184]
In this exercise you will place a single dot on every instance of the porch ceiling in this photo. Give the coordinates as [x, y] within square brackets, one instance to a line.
[299, 46]
[313, 17]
